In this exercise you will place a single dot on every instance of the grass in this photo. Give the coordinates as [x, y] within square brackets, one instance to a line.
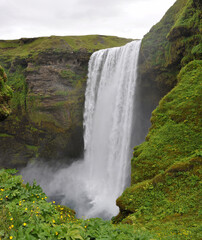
[23, 48]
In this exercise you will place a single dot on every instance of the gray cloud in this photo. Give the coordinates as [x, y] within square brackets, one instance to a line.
[127, 18]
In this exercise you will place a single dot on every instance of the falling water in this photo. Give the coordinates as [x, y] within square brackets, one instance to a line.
[91, 186]
[107, 123]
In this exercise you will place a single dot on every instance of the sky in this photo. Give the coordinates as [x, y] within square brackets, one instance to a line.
[37, 18]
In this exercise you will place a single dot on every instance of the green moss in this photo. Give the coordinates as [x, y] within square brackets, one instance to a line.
[170, 44]
[32, 148]
[67, 74]
[175, 131]
[167, 204]
[197, 50]
[61, 93]
[72, 77]
[2, 135]
[156, 37]
[41, 118]
[166, 168]
[188, 21]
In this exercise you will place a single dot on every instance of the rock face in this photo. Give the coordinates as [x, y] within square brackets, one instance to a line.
[166, 168]
[48, 76]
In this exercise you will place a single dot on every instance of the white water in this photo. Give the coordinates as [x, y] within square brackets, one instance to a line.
[91, 186]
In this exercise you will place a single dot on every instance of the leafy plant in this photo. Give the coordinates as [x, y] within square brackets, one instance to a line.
[26, 215]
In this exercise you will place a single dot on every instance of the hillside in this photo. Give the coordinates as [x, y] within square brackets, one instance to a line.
[166, 169]
[48, 76]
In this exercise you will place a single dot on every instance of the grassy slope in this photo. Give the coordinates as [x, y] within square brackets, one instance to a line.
[175, 131]
[166, 168]
[25, 47]
[165, 190]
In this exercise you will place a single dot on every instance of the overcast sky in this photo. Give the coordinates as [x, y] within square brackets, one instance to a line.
[123, 18]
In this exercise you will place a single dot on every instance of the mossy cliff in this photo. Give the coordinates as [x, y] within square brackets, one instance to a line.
[171, 44]
[168, 46]
[48, 76]
[166, 169]
[5, 95]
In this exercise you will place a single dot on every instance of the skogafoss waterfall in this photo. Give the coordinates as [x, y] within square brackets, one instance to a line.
[107, 123]
[91, 186]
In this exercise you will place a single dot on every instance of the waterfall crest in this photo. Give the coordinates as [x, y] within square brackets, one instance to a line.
[92, 185]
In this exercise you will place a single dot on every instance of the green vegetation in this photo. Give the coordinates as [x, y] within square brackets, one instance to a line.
[67, 74]
[24, 47]
[168, 204]
[188, 19]
[18, 83]
[166, 168]
[76, 80]
[26, 214]
[171, 44]
[5, 135]
[5, 95]
[176, 125]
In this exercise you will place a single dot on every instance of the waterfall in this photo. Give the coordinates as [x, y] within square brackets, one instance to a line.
[92, 185]
[107, 123]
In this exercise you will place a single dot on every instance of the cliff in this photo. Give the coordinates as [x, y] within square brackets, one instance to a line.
[166, 169]
[48, 76]
[171, 44]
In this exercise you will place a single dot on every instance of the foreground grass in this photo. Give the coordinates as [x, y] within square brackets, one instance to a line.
[26, 214]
